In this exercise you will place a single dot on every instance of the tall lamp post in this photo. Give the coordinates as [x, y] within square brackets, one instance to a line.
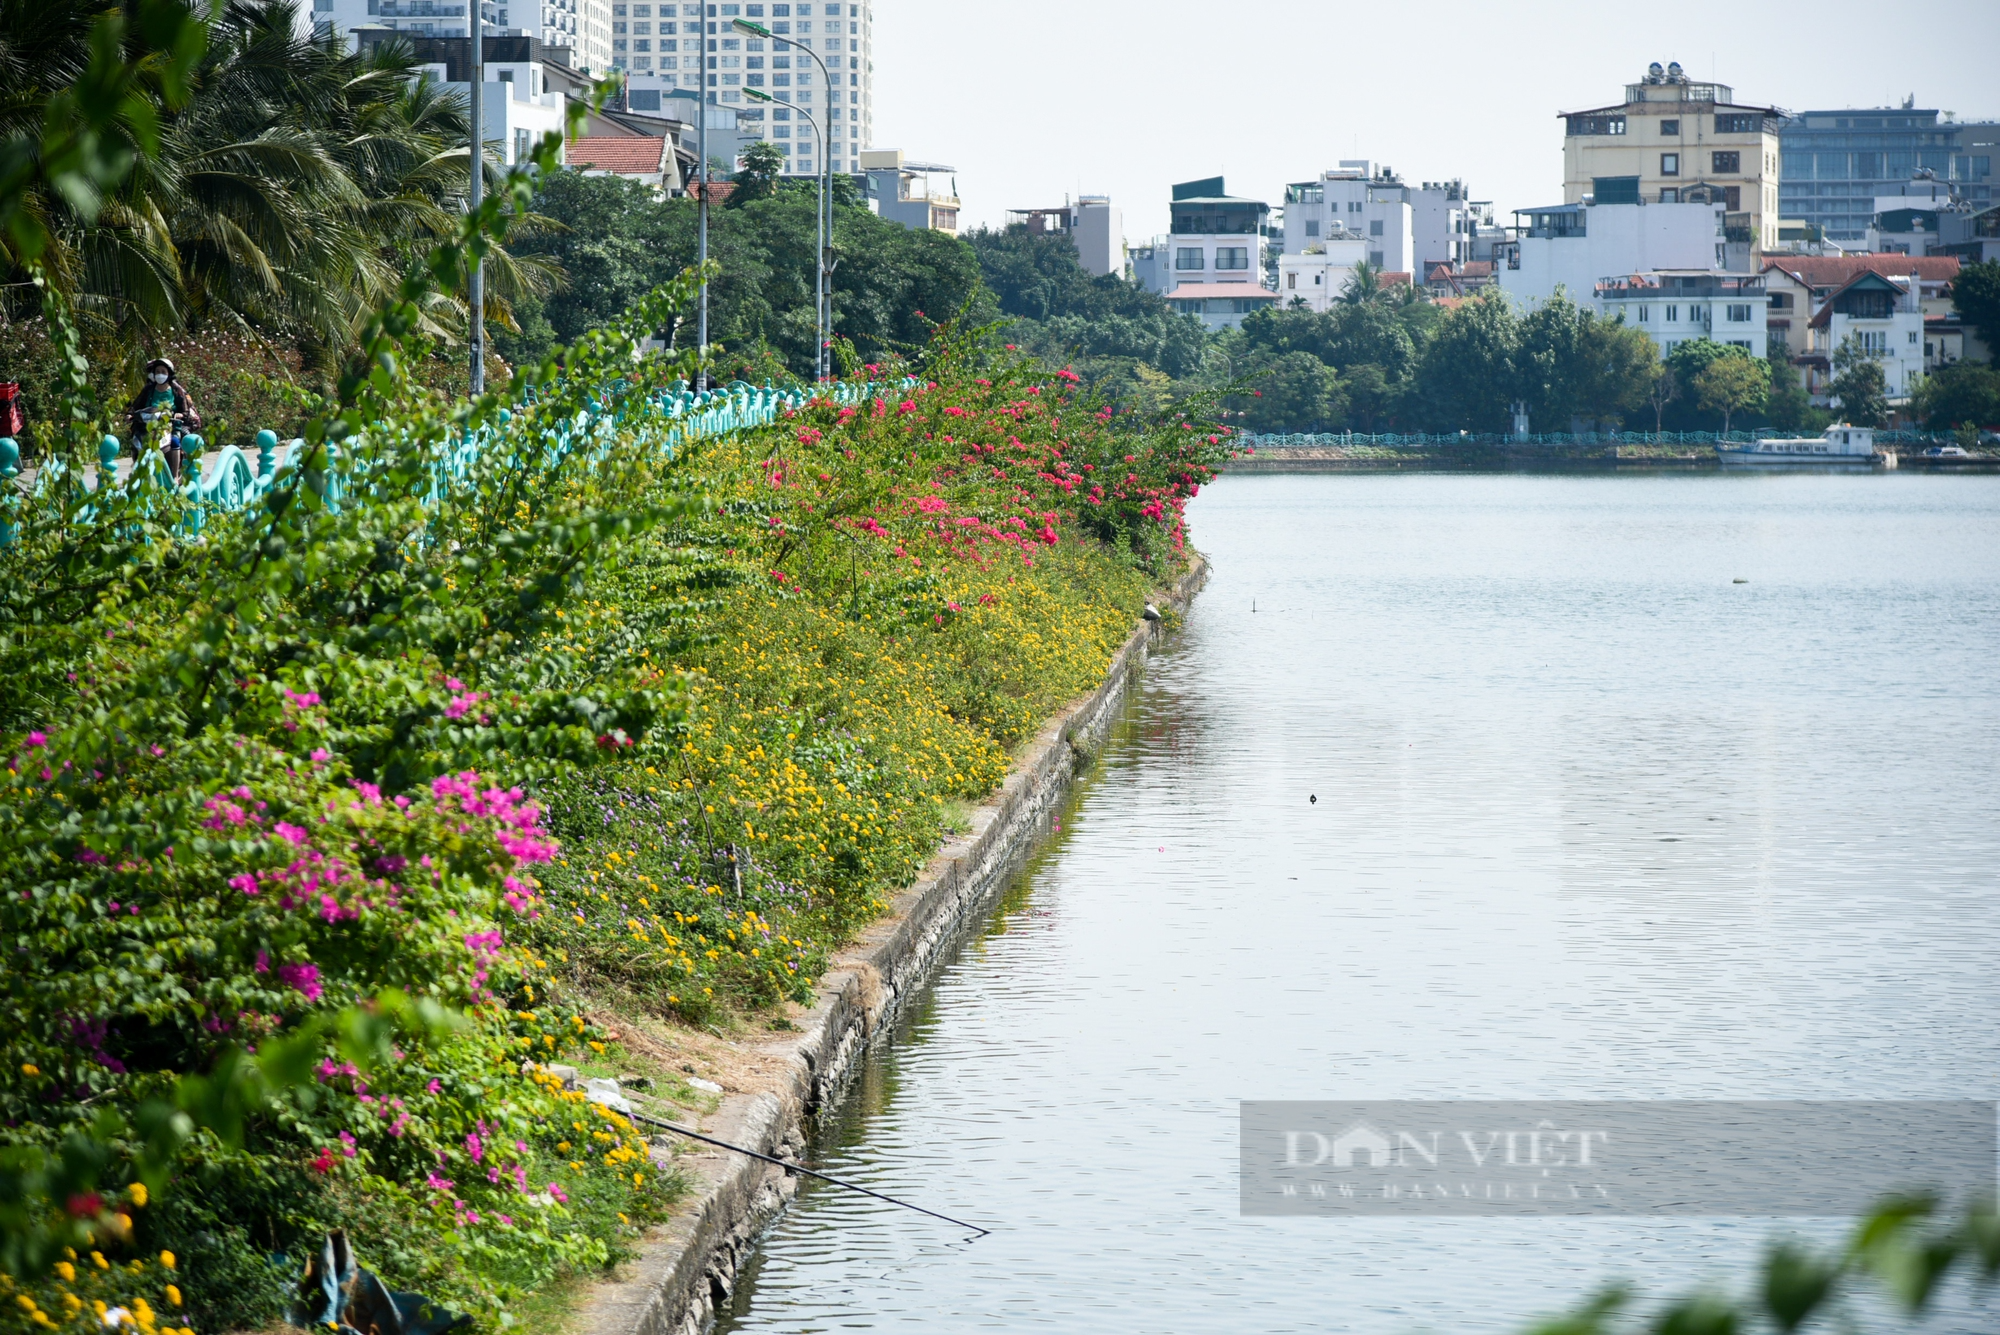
[823, 219]
[701, 223]
[476, 292]
[825, 292]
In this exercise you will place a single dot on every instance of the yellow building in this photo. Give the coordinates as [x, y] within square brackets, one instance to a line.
[1676, 141]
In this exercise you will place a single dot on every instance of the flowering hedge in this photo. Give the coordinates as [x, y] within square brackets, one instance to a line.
[883, 602]
[588, 722]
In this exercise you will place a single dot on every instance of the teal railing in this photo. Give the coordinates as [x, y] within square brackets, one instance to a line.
[660, 423]
[1435, 439]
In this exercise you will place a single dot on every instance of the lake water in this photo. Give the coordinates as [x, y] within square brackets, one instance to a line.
[1593, 821]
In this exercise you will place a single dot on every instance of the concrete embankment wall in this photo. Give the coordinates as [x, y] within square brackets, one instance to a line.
[687, 1268]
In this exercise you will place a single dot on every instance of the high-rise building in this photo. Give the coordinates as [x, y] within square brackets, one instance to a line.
[1673, 140]
[1836, 163]
[663, 47]
[576, 32]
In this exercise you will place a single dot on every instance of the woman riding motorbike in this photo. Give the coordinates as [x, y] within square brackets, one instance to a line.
[162, 398]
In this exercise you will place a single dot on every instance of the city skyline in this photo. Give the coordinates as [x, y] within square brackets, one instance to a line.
[1126, 98]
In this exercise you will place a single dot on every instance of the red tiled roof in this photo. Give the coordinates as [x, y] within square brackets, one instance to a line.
[1838, 270]
[1476, 269]
[1392, 278]
[623, 155]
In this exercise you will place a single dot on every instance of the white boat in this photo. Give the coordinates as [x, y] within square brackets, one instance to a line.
[1841, 444]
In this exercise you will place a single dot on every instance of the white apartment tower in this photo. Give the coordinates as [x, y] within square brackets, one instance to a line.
[664, 48]
[580, 27]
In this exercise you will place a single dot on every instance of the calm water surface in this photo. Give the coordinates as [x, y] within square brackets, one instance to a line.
[1594, 822]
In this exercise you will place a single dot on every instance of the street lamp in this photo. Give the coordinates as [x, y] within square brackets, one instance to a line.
[823, 221]
[825, 292]
[701, 226]
[476, 289]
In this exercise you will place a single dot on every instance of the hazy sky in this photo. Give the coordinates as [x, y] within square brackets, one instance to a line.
[1032, 98]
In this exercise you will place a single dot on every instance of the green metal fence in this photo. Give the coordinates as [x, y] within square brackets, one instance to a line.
[231, 479]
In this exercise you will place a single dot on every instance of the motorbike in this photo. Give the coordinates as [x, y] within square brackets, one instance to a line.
[142, 431]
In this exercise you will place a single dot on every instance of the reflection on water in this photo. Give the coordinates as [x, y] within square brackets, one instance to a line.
[1594, 822]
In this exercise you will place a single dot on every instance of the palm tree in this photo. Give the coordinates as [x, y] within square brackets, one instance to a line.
[287, 195]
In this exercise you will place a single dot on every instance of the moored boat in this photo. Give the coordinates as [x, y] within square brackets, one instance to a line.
[1840, 444]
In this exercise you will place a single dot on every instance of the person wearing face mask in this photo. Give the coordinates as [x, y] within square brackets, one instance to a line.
[162, 398]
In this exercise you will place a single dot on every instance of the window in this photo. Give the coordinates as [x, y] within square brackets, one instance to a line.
[1187, 257]
[1292, 281]
[1670, 164]
[1673, 315]
[1735, 124]
[1913, 336]
[1312, 227]
[1375, 258]
[642, 45]
[1742, 343]
[1643, 317]
[1374, 227]
[1232, 257]
[1781, 301]
[1875, 342]
[1670, 195]
[1727, 163]
[1737, 313]
[1670, 127]
[642, 29]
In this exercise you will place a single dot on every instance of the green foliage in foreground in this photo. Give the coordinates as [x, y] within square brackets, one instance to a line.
[1898, 1252]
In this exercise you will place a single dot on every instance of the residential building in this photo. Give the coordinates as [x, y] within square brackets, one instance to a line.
[523, 98]
[1909, 215]
[1673, 307]
[1836, 162]
[1570, 247]
[1093, 224]
[582, 27]
[1816, 301]
[645, 158]
[910, 192]
[1445, 280]
[1319, 275]
[1673, 140]
[1971, 237]
[1221, 304]
[1364, 199]
[1216, 238]
[664, 46]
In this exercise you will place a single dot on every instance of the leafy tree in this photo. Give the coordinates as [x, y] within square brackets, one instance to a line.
[1688, 360]
[1061, 311]
[1466, 379]
[1966, 392]
[618, 241]
[1663, 390]
[1371, 396]
[285, 185]
[1298, 392]
[1858, 385]
[762, 166]
[1572, 364]
[1975, 295]
[1729, 385]
[1789, 407]
[1364, 284]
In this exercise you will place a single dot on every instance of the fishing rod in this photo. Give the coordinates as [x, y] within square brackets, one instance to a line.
[801, 1168]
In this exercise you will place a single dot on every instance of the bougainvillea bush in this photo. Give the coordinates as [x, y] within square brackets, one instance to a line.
[266, 767]
[500, 730]
[883, 601]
